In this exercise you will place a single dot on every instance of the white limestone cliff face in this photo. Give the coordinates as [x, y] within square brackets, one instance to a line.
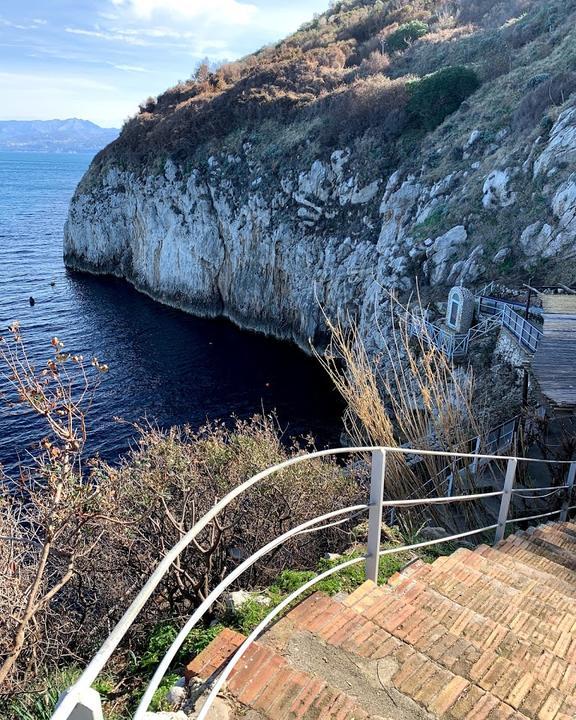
[272, 251]
[268, 260]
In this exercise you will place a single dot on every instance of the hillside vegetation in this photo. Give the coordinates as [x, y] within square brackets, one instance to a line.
[359, 75]
[383, 142]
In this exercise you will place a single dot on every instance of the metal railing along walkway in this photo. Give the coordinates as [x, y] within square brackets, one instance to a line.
[453, 345]
[527, 334]
[81, 702]
[498, 313]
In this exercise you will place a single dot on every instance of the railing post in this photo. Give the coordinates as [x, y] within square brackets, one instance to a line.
[375, 514]
[89, 706]
[477, 447]
[570, 484]
[506, 498]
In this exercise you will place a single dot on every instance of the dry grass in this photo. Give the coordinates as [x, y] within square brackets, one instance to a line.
[409, 396]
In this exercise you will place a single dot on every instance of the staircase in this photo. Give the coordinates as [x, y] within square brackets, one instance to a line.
[488, 634]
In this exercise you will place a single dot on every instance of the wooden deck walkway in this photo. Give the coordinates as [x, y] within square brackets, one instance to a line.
[554, 364]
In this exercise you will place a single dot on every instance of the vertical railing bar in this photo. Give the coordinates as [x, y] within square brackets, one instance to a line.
[375, 514]
[474, 467]
[568, 491]
[506, 498]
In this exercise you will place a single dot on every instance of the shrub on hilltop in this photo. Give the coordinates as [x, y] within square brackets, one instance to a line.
[405, 35]
[436, 96]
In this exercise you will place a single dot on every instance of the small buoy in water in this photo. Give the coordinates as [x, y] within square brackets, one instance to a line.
[32, 301]
[53, 283]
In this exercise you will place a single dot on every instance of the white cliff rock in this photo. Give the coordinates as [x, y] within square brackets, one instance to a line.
[561, 147]
[206, 245]
[442, 252]
[536, 238]
[272, 252]
[564, 206]
[467, 270]
[495, 192]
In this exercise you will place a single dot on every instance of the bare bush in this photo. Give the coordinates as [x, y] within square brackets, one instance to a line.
[410, 395]
[175, 477]
[552, 91]
[78, 539]
[51, 520]
[377, 62]
[375, 101]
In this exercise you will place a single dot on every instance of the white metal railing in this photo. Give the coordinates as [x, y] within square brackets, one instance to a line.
[527, 334]
[453, 345]
[82, 702]
[499, 314]
[495, 441]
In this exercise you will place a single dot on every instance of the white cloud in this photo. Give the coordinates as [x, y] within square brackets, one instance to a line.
[18, 26]
[76, 82]
[130, 68]
[229, 12]
[129, 38]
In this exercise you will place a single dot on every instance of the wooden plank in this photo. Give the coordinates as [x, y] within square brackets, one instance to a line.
[554, 364]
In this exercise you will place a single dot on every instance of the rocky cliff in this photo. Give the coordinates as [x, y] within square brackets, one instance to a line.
[274, 220]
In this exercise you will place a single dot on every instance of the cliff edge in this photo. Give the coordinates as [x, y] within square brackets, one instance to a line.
[381, 143]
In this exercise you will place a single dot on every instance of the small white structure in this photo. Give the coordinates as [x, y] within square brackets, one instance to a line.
[460, 311]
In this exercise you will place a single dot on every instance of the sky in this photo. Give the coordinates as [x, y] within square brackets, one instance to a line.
[98, 59]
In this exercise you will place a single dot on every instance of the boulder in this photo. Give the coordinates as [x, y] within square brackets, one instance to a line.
[434, 533]
[363, 195]
[235, 600]
[502, 255]
[475, 135]
[535, 239]
[495, 192]
[443, 250]
[177, 694]
[564, 205]
[467, 270]
[561, 147]
[220, 710]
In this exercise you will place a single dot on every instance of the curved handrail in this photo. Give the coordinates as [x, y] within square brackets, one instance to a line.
[293, 596]
[71, 698]
[235, 574]
[217, 592]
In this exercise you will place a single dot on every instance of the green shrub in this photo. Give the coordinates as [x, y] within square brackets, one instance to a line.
[251, 613]
[405, 35]
[40, 705]
[436, 96]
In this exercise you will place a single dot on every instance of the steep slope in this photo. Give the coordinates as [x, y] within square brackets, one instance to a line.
[380, 143]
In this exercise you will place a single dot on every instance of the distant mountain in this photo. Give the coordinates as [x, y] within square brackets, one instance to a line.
[67, 136]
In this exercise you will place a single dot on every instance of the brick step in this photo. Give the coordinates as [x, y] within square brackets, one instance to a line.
[555, 535]
[497, 557]
[515, 578]
[569, 528]
[265, 682]
[425, 680]
[437, 628]
[493, 599]
[485, 634]
[520, 549]
[549, 550]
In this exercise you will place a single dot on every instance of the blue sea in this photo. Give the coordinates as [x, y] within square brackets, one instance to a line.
[165, 366]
